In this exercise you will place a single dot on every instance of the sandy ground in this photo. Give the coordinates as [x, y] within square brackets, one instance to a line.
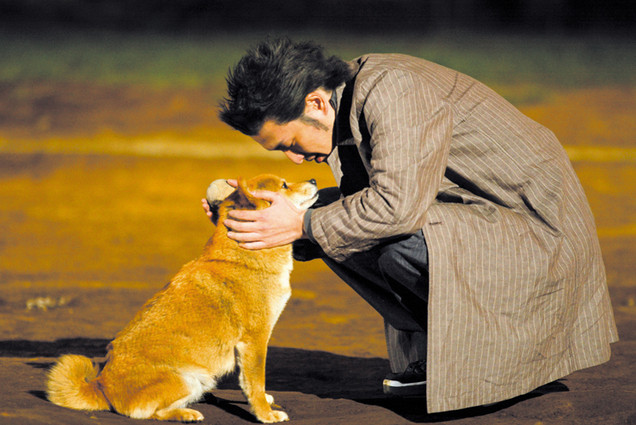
[94, 220]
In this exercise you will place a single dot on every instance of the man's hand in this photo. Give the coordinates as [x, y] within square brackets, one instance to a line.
[279, 224]
[206, 208]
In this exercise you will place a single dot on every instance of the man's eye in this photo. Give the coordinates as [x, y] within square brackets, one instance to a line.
[285, 185]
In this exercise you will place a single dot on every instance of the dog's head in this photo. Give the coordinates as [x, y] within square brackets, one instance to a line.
[221, 194]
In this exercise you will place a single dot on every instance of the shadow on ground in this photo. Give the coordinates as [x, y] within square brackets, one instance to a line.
[318, 373]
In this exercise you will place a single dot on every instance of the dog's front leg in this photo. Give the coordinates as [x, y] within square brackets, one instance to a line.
[251, 357]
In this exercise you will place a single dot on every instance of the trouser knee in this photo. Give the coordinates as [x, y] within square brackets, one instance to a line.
[404, 268]
[390, 262]
[405, 265]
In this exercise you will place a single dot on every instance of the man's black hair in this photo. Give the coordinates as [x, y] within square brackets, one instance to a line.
[272, 80]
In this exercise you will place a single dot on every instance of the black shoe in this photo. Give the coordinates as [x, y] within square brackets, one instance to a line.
[411, 382]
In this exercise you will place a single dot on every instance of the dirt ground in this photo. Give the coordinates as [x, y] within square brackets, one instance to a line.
[99, 207]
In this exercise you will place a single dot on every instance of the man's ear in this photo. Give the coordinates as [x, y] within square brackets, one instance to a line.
[316, 101]
[216, 193]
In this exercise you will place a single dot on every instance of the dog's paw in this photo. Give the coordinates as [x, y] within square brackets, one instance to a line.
[179, 415]
[191, 415]
[274, 416]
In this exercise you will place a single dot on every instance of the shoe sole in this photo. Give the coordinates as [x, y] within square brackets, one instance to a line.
[397, 388]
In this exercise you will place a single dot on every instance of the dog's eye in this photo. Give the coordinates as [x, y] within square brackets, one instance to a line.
[285, 185]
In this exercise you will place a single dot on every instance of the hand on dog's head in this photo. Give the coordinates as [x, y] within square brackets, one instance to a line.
[220, 190]
[245, 200]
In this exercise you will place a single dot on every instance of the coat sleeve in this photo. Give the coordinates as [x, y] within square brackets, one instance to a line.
[408, 129]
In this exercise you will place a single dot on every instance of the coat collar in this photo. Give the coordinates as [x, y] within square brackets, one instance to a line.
[341, 99]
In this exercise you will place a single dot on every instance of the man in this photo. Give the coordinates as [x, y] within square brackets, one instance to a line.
[460, 220]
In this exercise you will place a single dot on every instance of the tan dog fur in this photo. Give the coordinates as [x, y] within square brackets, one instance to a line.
[216, 313]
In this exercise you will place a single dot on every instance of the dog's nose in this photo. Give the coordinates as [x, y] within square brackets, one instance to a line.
[312, 181]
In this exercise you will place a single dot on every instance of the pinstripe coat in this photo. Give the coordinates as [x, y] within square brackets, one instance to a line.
[518, 295]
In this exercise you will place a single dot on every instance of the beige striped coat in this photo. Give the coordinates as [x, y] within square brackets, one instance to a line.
[518, 294]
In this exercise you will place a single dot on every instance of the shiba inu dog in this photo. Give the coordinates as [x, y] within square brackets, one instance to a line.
[217, 313]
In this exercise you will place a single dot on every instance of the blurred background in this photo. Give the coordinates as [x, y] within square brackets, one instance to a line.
[109, 138]
[369, 16]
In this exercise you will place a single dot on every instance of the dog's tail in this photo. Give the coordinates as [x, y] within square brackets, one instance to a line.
[71, 383]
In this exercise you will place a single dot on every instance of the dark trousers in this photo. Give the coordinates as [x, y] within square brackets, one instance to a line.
[393, 278]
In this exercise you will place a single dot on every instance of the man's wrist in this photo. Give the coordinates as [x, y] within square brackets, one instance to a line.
[307, 234]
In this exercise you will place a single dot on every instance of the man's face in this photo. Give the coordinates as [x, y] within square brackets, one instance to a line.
[308, 138]
[296, 139]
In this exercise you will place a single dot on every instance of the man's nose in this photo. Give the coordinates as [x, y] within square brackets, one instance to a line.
[294, 157]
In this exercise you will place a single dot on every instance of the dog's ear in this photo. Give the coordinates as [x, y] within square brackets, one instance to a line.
[216, 193]
[244, 198]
